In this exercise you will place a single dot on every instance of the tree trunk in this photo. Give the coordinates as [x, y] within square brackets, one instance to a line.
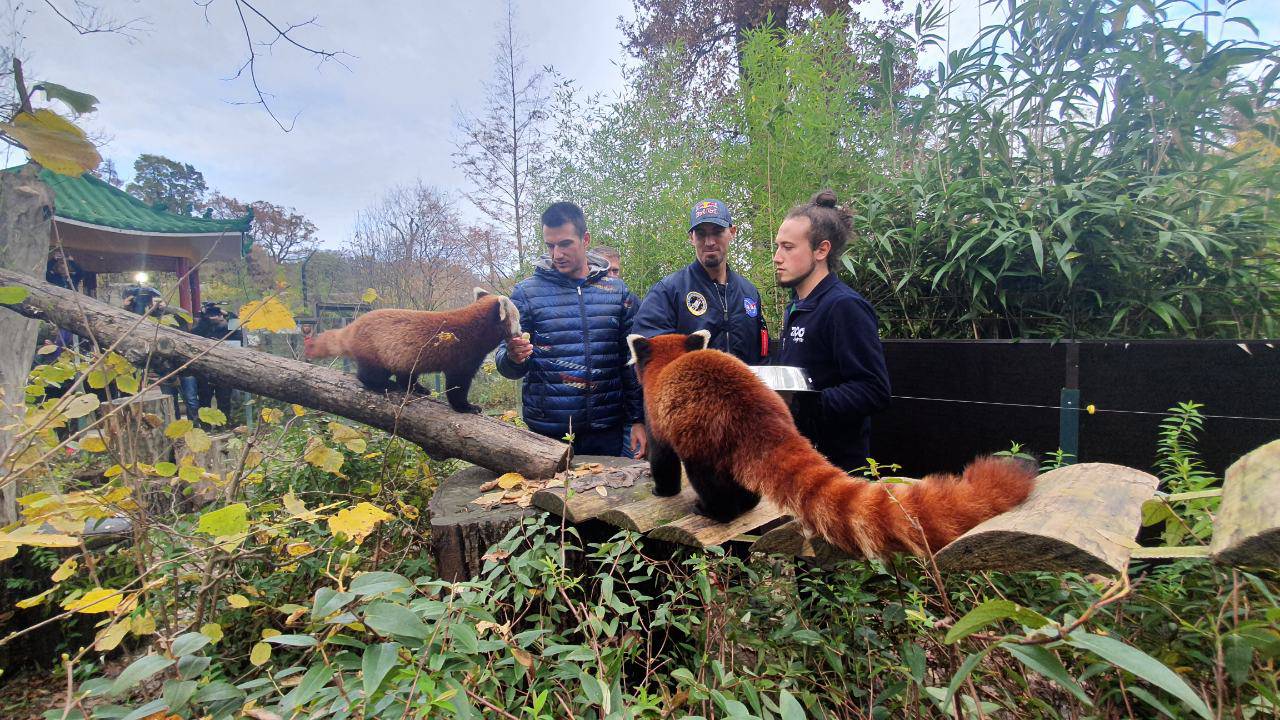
[26, 212]
[440, 431]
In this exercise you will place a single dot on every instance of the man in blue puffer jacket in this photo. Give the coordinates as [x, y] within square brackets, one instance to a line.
[574, 363]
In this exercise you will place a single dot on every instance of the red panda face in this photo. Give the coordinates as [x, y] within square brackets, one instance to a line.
[653, 354]
[508, 314]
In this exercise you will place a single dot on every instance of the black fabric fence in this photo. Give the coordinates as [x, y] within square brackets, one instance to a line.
[954, 399]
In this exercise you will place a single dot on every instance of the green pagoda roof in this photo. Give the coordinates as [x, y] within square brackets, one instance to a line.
[88, 201]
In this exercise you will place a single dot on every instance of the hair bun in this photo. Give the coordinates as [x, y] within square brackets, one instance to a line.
[824, 198]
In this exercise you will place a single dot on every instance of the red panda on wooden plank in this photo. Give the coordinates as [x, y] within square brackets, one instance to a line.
[738, 442]
[406, 343]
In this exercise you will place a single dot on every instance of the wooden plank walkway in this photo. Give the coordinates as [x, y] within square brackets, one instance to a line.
[1081, 518]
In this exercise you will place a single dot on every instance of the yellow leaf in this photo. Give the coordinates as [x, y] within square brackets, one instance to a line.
[128, 384]
[323, 457]
[7, 550]
[408, 511]
[238, 601]
[54, 142]
[198, 440]
[98, 600]
[369, 296]
[190, 474]
[93, 444]
[298, 549]
[298, 410]
[28, 535]
[65, 570]
[510, 480]
[212, 416]
[81, 405]
[357, 522]
[271, 416]
[350, 437]
[109, 638]
[297, 508]
[213, 631]
[269, 633]
[34, 600]
[267, 314]
[143, 625]
[177, 429]
[260, 654]
[113, 471]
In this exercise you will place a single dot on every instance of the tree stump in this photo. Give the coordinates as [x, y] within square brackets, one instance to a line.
[462, 531]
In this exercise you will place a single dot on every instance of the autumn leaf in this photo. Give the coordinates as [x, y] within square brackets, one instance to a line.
[225, 522]
[369, 297]
[350, 437]
[324, 457]
[109, 638]
[30, 535]
[267, 314]
[34, 600]
[98, 600]
[260, 654]
[271, 416]
[213, 631]
[197, 440]
[65, 570]
[81, 405]
[54, 142]
[212, 416]
[356, 523]
[298, 410]
[297, 508]
[93, 444]
[510, 480]
[128, 384]
[178, 428]
[238, 601]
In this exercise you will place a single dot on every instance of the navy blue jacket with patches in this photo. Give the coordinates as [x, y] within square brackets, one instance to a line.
[689, 300]
[578, 372]
[833, 335]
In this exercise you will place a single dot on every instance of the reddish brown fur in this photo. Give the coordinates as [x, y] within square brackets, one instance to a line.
[714, 411]
[413, 340]
[409, 342]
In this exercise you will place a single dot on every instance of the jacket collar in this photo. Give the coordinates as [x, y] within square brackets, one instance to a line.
[811, 300]
[597, 269]
[700, 272]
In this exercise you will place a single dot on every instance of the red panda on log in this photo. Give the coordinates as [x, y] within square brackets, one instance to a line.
[738, 442]
[406, 343]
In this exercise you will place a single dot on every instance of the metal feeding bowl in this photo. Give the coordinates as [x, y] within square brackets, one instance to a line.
[783, 379]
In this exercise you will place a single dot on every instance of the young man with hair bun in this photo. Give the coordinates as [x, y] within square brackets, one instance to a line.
[830, 331]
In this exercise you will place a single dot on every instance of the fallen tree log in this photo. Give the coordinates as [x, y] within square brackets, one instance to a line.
[432, 424]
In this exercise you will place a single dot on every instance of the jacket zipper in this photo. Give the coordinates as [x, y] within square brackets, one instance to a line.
[723, 291]
[586, 351]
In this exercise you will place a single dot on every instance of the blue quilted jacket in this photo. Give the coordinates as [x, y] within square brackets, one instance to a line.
[578, 371]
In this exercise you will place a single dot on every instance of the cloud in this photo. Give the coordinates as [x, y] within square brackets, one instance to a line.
[386, 120]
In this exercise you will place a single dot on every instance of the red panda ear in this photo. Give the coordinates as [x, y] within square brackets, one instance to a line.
[479, 292]
[699, 340]
[639, 345]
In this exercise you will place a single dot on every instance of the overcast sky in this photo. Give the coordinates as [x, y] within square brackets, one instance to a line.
[386, 120]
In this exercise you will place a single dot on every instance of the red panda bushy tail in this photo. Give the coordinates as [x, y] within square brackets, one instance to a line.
[330, 343]
[873, 518]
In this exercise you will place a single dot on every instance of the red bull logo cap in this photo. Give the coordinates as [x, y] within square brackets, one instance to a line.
[710, 211]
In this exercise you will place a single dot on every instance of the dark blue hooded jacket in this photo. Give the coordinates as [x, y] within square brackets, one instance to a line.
[578, 371]
[833, 334]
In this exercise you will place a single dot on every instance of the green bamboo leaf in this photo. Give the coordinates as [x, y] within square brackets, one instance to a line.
[1143, 665]
[139, 670]
[1041, 660]
[390, 619]
[991, 611]
[376, 663]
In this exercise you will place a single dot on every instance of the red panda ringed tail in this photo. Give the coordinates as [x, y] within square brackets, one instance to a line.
[405, 343]
[737, 441]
